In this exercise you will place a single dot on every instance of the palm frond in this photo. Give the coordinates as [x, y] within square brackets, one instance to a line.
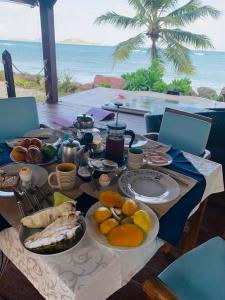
[159, 4]
[119, 20]
[137, 5]
[198, 41]
[179, 55]
[190, 12]
[124, 49]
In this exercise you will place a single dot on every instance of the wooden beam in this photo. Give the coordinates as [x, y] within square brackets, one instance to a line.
[8, 71]
[49, 52]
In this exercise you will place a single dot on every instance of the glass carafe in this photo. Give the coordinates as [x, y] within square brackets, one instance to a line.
[115, 141]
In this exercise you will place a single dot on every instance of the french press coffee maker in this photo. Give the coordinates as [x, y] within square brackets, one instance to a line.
[116, 138]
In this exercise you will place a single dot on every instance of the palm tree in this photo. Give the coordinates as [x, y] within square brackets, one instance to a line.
[162, 22]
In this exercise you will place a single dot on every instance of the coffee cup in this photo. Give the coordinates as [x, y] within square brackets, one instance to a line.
[135, 158]
[65, 176]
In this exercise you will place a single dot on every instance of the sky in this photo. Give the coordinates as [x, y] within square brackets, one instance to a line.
[75, 19]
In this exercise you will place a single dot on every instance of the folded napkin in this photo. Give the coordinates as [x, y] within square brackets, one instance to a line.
[5, 154]
[62, 122]
[3, 223]
[100, 114]
[172, 223]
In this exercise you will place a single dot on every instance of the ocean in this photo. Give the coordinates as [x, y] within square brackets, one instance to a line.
[84, 62]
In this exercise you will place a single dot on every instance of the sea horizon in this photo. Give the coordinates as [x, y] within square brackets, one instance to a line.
[83, 62]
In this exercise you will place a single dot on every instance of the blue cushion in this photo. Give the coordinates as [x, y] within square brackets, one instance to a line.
[199, 274]
[17, 116]
[184, 132]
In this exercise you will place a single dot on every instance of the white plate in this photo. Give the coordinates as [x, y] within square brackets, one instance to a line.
[48, 162]
[139, 141]
[39, 174]
[102, 167]
[49, 133]
[94, 233]
[149, 186]
[167, 156]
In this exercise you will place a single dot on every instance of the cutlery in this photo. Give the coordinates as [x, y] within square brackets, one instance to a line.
[23, 193]
[44, 197]
[176, 177]
[32, 192]
[19, 200]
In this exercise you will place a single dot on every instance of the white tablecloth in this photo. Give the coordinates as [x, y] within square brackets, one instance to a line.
[91, 271]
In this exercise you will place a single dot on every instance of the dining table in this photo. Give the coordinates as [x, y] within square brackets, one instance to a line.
[91, 270]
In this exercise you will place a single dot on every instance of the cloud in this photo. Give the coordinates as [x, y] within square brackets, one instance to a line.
[75, 19]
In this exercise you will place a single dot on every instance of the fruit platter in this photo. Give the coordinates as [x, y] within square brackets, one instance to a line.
[34, 151]
[121, 223]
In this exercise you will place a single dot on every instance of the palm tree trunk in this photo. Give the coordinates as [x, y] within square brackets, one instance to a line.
[154, 53]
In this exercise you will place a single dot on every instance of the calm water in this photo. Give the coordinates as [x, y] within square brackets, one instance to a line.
[84, 62]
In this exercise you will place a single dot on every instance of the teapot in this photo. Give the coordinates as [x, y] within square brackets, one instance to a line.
[71, 151]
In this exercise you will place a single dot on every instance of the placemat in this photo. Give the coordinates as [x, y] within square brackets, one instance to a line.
[186, 184]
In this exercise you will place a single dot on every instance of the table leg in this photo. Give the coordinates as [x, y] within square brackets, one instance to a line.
[3, 263]
[195, 222]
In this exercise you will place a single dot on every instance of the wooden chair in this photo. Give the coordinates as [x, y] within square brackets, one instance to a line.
[197, 275]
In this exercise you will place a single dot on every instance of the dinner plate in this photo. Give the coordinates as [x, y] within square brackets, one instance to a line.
[149, 186]
[139, 141]
[39, 174]
[94, 233]
[167, 157]
[45, 163]
[48, 133]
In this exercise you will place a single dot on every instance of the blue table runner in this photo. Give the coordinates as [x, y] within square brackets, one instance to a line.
[173, 222]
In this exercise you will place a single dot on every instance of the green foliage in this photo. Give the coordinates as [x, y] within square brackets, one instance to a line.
[182, 86]
[66, 85]
[151, 79]
[24, 83]
[146, 79]
[105, 85]
[2, 76]
[163, 23]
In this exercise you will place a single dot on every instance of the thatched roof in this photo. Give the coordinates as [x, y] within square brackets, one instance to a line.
[29, 2]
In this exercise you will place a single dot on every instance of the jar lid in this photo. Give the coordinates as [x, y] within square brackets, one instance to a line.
[71, 143]
[84, 118]
[117, 125]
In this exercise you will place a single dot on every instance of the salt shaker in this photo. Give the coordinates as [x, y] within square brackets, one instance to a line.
[25, 177]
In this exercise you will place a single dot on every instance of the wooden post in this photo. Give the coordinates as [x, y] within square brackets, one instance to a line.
[49, 53]
[8, 70]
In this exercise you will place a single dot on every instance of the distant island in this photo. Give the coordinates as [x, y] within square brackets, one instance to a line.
[78, 42]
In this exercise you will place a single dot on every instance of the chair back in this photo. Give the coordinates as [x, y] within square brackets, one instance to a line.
[17, 116]
[185, 131]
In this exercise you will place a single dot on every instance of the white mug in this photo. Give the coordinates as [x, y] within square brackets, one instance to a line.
[135, 158]
[65, 176]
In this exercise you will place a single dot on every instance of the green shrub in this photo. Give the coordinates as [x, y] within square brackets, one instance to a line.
[26, 84]
[182, 86]
[66, 85]
[146, 79]
[105, 85]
